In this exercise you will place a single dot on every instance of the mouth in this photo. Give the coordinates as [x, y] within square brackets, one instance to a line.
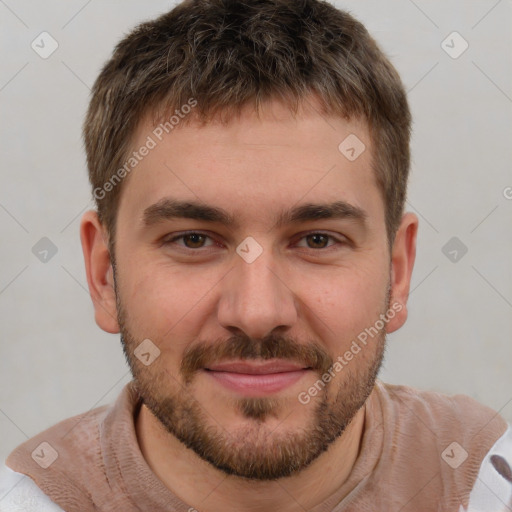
[256, 378]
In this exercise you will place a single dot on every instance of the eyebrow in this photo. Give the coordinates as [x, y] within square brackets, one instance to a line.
[169, 208]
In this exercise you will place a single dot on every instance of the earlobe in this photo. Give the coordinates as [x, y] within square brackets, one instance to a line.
[99, 271]
[402, 262]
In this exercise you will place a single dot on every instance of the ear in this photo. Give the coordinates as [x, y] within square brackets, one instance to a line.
[99, 271]
[403, 255]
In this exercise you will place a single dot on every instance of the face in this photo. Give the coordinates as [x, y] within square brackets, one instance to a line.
[254, 299]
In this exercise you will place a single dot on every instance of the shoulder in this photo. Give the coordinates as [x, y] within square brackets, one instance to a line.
[19, 493]
[443, 442]
[60, 441]
[453, 414]
[61, 459]
[69, 461]
[456, 429]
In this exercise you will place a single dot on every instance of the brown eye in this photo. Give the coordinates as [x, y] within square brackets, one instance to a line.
[192, 240]
[196, 240]
[318, 240]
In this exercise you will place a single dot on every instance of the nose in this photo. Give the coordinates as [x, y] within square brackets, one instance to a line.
[256, 298]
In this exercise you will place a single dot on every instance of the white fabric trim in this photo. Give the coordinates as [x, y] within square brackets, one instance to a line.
[492, 491]
[19, 493]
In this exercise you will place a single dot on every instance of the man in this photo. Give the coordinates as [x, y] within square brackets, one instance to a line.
[249, 160]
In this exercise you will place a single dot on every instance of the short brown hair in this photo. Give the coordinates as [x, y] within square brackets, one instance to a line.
[227, 54]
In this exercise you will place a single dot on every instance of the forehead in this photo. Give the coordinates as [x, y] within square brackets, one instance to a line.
[255, 164]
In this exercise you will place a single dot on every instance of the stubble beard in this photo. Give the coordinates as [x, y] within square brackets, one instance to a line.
[254, 451]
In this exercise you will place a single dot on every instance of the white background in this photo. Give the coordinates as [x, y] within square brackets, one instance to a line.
[55, 362]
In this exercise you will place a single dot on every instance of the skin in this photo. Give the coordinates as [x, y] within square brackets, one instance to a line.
[253, 168]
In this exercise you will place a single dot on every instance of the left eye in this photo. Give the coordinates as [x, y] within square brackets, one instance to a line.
[196, 240]
[190, 240]
[319, 240]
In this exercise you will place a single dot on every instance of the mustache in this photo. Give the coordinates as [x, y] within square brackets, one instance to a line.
[242, 347]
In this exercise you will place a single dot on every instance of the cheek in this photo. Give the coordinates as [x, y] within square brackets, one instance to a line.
[168, 304]
[174, 303]
[156, 298]
[347, 303]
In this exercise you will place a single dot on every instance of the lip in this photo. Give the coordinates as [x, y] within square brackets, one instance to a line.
[256, 379]
[256, 368]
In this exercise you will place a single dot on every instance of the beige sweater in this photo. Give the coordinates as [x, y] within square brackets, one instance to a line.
[420, 452]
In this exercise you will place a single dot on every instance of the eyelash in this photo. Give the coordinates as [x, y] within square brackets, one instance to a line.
[172, 240]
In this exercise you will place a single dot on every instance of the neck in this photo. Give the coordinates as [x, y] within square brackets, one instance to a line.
[178, 468]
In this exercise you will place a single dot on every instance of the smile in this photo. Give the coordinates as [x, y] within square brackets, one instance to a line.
[256, 379]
